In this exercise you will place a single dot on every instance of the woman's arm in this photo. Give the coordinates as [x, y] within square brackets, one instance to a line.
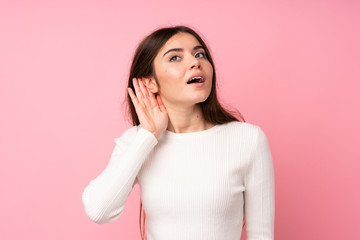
[260, 192]
[104, 198]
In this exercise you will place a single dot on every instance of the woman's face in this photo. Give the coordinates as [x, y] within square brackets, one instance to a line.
[180, 59]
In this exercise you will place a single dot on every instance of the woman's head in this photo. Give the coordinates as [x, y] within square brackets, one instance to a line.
[181, 58]
[166, 72]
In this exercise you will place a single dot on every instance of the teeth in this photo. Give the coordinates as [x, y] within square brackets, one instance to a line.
[201, 79]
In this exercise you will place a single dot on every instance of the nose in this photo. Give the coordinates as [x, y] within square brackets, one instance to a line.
[195, 63]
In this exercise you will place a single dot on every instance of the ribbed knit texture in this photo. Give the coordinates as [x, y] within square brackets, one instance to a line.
[194, 186]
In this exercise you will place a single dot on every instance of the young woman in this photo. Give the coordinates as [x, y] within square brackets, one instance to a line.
[202, 172]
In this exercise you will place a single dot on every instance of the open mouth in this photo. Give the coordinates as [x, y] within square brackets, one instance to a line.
[195, 80]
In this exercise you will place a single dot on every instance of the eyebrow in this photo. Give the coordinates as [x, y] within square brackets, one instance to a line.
[181, 49]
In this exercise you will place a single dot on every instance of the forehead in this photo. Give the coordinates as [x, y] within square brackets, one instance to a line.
[180, 40]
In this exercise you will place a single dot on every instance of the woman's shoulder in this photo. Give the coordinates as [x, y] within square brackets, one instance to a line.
[128, 134]
[242, 126]
[248, 130]
[245, 129]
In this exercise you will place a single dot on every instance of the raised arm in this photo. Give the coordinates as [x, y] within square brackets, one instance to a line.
[260, 191]
[104, 198]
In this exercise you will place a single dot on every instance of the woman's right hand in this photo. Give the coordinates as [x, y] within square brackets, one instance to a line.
[150, 110]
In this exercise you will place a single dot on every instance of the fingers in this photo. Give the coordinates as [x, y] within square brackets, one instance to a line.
[152, 96]
[143, 89]
[161, 104]
[133, 97]
[160, 101]
[143, 95]
[137, 89]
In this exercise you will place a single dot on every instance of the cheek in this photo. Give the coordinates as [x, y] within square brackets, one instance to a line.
[172, 74]
[210, 67]
[209, 71]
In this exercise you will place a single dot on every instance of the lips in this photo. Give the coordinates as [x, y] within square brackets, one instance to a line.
[196, 75]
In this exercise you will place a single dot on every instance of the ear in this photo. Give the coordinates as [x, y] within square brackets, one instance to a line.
[150, 83]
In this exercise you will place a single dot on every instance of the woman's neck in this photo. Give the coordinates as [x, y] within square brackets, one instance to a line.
[190, 120]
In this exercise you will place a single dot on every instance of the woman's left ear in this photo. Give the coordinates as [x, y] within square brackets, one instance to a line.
[150, 83]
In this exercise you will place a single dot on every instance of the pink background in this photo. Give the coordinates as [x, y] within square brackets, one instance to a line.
[291, 67]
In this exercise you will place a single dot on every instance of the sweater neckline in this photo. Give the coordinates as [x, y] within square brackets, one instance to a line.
[192, 134]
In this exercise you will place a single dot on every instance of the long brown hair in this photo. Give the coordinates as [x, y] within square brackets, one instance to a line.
[143, 66]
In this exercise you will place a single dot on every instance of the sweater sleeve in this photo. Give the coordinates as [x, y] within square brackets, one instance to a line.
[104, 198]
[259, 192]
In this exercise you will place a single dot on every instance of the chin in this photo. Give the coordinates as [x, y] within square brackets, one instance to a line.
[202, 98]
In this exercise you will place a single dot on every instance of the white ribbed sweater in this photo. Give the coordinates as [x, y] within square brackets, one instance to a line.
[194, 186]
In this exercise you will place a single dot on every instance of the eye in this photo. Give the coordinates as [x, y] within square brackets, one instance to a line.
[203, 54]
[171, 59]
